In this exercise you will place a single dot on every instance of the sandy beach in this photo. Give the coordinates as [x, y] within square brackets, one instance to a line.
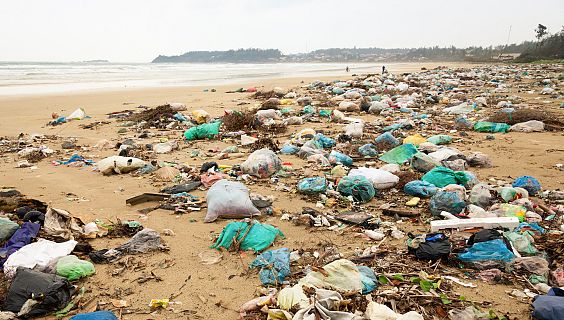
[214, 291]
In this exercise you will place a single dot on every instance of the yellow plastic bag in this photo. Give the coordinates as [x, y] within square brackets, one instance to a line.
[415, 139]
[200, 116]
[287, 102]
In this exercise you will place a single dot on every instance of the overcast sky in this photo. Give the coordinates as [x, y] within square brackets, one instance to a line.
[139, 30]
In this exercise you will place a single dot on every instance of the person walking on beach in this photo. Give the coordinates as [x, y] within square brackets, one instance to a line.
[383, 69]
[347, 69]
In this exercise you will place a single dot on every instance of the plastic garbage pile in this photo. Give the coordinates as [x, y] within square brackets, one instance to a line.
[43, 261]
[387, 177]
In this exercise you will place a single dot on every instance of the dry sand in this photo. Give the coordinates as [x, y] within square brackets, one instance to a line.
[216, 291]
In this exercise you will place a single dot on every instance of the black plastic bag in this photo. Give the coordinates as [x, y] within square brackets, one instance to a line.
[433, 250]
[53, 292]
[487, 235]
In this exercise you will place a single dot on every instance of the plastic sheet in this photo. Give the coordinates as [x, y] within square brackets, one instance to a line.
[255, 236]
[399, 154]
[487, 250]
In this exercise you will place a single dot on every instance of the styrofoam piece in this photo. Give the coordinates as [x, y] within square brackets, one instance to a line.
[485, 223]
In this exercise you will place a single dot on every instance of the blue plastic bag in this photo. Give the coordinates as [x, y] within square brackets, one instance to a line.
[289, 149]
[18, 240]
[487, 250]
[338, 157]
[325, 142]
[528, 183]
[420, 188]
[274, 264]
[312, 185]
[97, 315]
[549, 306]
[368, 278]
[368, 150]
[446, 201]
[386, 141]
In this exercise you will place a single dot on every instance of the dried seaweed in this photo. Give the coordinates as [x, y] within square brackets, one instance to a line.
[238, 120]
[551, 121]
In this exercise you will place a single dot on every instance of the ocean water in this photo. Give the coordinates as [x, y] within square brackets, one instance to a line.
[22, 78]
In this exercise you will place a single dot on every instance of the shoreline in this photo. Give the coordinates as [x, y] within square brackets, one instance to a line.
[306, 75]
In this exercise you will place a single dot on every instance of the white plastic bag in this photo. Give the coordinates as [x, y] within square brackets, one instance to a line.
[77, 114]
[38, 254]
[381, 179]
[529, 126]
[262, 163]
[226, 198]
[348, 106]
[119, 164]
[354, 129]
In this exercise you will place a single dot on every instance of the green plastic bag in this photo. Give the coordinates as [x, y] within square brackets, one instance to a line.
[287, 110]
[256, 236]
[484, 126]
[442, 176]
[523, 243]
[399, 155]
[72, 268]
[325, 113]
[7, 228]
[358, 187]
[439, 139]
[308, 110]
[203, 131]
